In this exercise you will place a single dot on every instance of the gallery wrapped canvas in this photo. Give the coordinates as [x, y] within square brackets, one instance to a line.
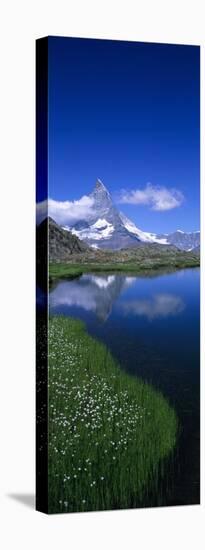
[117, 275]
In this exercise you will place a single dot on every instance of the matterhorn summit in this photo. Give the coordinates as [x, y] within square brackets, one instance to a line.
[107, 228]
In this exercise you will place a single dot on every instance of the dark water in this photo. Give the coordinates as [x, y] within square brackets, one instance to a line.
[151, 325]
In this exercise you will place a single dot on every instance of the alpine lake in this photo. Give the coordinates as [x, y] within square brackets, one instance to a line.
[151, 326]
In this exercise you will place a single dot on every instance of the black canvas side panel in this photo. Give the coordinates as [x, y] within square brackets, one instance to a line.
[41, 276]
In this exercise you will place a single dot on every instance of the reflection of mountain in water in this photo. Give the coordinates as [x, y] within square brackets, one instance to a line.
[90, 292]
[97, 293]
[159, 306]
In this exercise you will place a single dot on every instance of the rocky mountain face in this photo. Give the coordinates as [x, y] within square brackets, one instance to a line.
[107, 228]
[62, 244]
[183, 241]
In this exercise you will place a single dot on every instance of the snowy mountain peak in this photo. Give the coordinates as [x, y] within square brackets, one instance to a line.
[100, 191]
[106, 227]
[103, 207]
[100, 185]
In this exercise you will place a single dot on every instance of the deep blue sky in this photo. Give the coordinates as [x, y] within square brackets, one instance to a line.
[127, 113]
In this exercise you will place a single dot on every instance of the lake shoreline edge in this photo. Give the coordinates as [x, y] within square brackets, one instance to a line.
[72, 271]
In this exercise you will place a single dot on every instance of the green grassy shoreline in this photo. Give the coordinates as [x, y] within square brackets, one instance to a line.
[108, 432]
[71, 271]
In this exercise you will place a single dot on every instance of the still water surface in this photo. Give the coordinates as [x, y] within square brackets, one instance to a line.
[151, 326]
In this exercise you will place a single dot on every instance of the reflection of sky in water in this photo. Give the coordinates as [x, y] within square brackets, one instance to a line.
[100, 294]
[160, 305]
[128, 312]
[91, 293]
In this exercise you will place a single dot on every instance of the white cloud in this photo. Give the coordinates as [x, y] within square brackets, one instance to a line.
[156, 197]
[64, 212]
[159, 306]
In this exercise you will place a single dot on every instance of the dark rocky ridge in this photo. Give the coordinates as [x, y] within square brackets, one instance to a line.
[62, 244]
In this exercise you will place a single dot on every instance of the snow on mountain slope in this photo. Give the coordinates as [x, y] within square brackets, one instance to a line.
[131, 227]
[183, 240]
[96, 231]
[144, 236]
[106, 227]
